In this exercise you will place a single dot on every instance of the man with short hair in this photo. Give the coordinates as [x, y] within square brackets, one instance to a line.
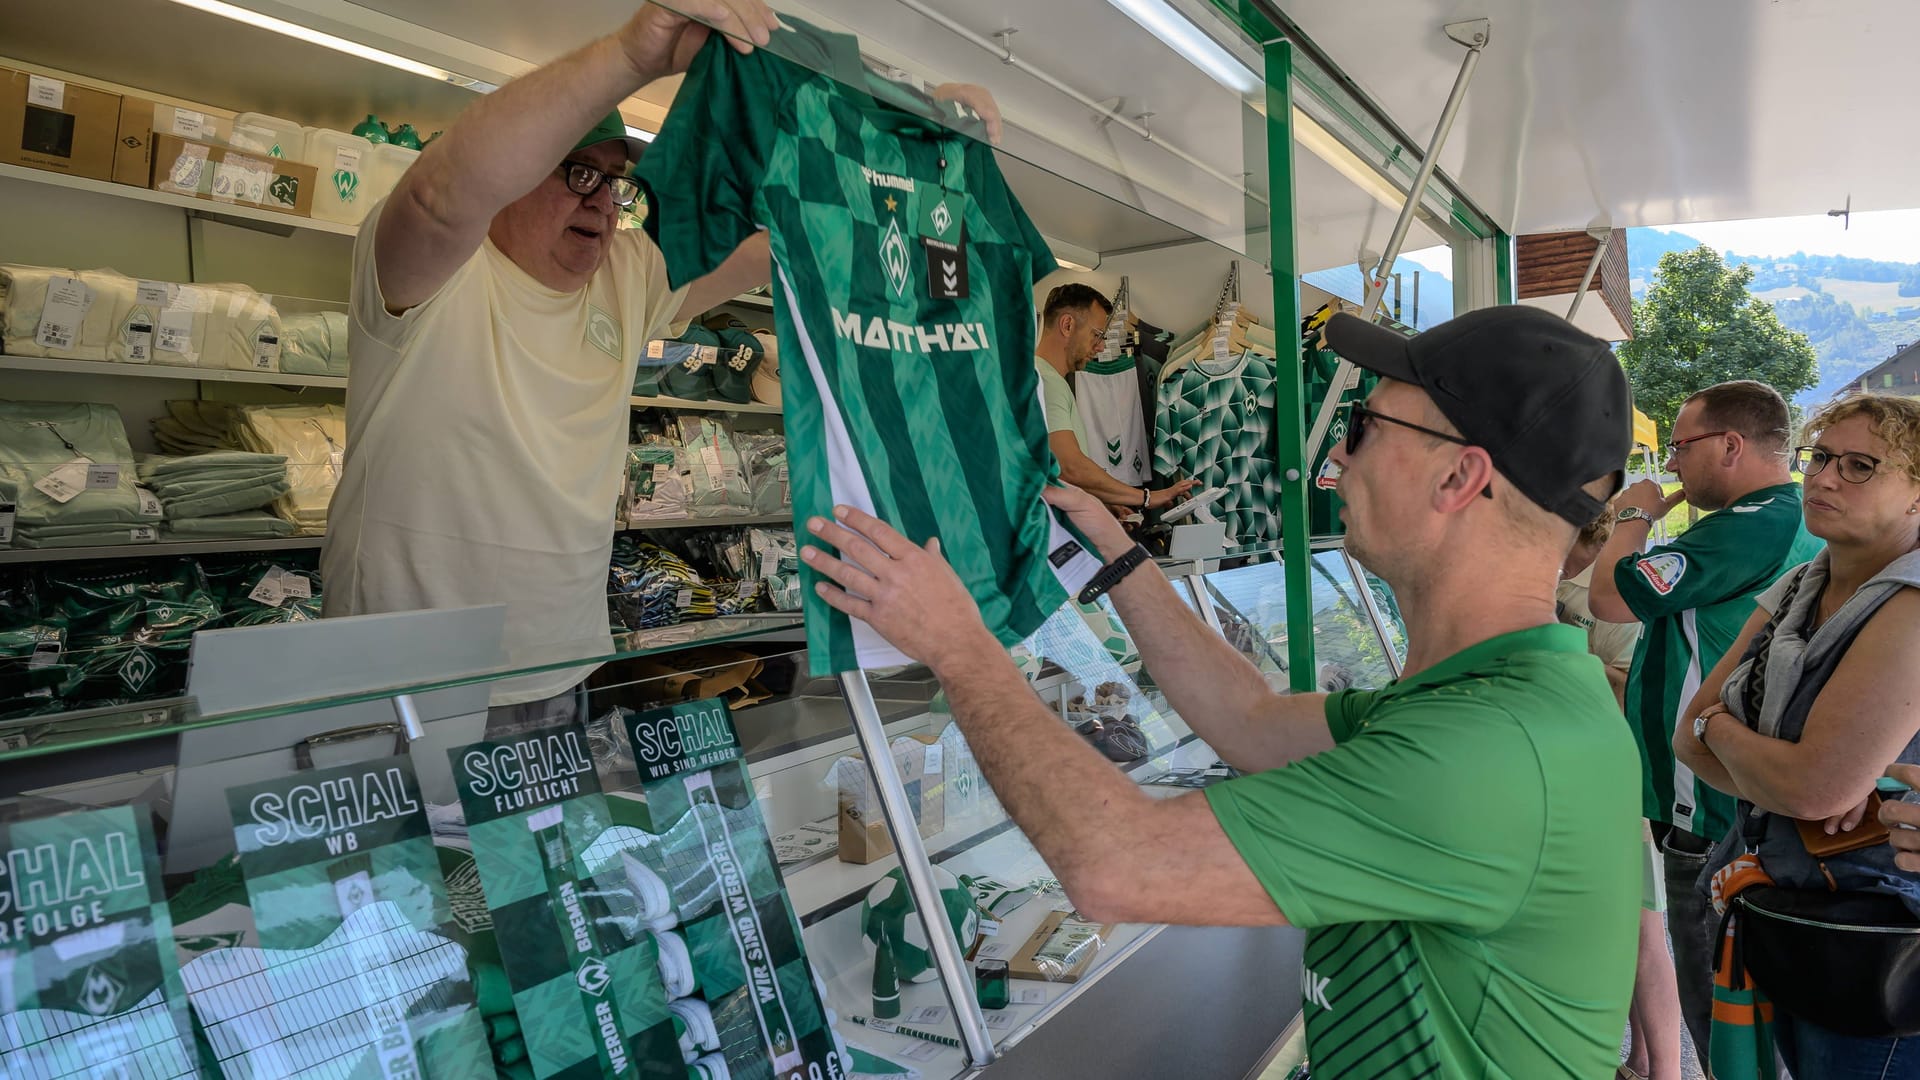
[1073, 324]
[1729, 448]
[497, 316]
[1462, 844]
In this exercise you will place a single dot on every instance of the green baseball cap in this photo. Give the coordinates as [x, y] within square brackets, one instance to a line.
[739, 359]
[612, 127]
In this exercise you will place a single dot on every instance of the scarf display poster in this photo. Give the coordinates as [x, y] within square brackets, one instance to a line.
[359, 971]
[88, 977]
[714, 853]
[554, 869]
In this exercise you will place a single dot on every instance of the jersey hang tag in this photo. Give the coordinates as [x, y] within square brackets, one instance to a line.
[943, 236]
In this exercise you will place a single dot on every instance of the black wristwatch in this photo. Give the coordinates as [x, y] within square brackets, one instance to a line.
[1112, 573]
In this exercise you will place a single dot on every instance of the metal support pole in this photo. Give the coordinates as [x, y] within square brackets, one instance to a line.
[1373, 612]
[1474, 36]
[1291, 455]
[1600, 236]
[956, 977]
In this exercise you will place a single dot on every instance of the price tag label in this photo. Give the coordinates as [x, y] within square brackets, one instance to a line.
[921, 1050]
[103, 477]
[269, 592]
[176, 333]
[995, 952]
[67, 301]
[927, 1014]
[1029, 995]
[266, 353]
[683, 598]
[769, 563]
[46, 652]
[66, 481]
[6, 522]
[157, 294]
[138, 338]
[189, 124]
[936, 759]
[46, 93]
[143, 534]
[149, 502]
[296, 586]
[346, 160]
[989, 927]
[1000, 1021]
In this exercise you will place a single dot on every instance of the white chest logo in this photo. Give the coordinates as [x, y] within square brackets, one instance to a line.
[893, 256]
[1314, 987]
[603, 332]
[1663, 571]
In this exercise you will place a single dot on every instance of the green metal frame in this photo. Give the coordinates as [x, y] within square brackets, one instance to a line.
[1289, 396]
[1505, 289]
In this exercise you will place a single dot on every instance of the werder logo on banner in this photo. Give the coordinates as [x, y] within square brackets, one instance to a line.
[689, 737]
[313, 817]
[527, 772]
[88, 976]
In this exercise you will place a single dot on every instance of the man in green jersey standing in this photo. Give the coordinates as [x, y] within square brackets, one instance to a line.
[1462, 845]
[1729, 449]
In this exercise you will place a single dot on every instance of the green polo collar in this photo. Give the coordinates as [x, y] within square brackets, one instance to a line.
[1553, 637]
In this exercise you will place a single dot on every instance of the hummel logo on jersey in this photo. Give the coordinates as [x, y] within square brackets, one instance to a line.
[905, 337]
[1114, 452]
[886, 180]
[893, 257]
[1315, 988]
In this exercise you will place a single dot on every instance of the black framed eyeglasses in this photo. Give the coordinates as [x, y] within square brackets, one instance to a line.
[584, 179]
[1854, 468]
[1361, 416]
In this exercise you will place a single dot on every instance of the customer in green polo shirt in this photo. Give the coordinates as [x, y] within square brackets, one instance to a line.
[1693, 596]
[1462, 845]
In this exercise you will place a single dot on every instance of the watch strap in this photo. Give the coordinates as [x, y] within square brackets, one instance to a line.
[1111, 574]
[1632, 513]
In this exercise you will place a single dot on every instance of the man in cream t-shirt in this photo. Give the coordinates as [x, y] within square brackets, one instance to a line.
[497, 316]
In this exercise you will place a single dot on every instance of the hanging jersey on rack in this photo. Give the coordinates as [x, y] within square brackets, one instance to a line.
[1215, 424]
[1109, 395]
[903, 274]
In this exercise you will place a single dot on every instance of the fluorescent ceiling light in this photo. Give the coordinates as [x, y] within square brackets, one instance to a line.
[1183, 37]
[338, 44]
[1321, 143]
[639, 133]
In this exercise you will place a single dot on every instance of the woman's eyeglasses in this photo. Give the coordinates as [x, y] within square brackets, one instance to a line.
[1854, 468]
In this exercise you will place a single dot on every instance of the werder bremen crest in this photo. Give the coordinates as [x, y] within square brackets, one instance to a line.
[603, 332]
[893, 257]
[346, 184]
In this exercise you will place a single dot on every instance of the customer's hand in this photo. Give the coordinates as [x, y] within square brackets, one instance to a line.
[1649, 496]
[663, 41]
[977, 98]
[1902, 820]
[1166, 496]
[1095, 521]
[907, 593]
[1846, 822]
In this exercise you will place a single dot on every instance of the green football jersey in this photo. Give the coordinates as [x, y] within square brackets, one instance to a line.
[903, 284]
[1693, 596]
[1465, 861]
[1215, 424]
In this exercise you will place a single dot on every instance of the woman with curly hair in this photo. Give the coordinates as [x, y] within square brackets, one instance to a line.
[1803, 714]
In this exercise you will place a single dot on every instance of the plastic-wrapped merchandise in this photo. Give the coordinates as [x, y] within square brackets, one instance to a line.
[655, 488]
[649, 586]
[62, 313]
[314, 344]
[269, 136]
[779, 566]
[128, 627]
[764, 455]
[716, 476]
[216, 483]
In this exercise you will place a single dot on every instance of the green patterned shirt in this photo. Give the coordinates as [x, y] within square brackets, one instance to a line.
[1215, 424]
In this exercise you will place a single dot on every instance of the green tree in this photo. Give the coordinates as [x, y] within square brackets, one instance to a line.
[1699, 325]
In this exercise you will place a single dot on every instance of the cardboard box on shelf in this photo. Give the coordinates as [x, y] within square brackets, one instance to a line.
[141, 118]
[863, 828]
[57, 125]
[222, 174]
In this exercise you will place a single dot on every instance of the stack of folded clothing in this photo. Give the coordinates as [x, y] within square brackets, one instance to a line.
[69, 471]
[195, 427]
[219, 495]
[102, 315]
[313, 440]
[314, 344]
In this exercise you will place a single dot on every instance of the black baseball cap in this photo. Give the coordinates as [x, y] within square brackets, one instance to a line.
[1546, 401]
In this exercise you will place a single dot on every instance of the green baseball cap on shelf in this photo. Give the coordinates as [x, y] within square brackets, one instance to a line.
[609, 128]
[739, 359]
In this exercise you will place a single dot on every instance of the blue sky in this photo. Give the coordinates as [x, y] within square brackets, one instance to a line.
[1890, 235]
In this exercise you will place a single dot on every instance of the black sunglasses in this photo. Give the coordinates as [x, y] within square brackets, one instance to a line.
[1854, 468]
[1357, 428]
[584, 179]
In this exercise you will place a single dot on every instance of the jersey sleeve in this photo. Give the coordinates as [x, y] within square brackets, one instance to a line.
[701, 173]
[1170, 446]
[997, 202]
[1435, 818]
[1709, 563]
